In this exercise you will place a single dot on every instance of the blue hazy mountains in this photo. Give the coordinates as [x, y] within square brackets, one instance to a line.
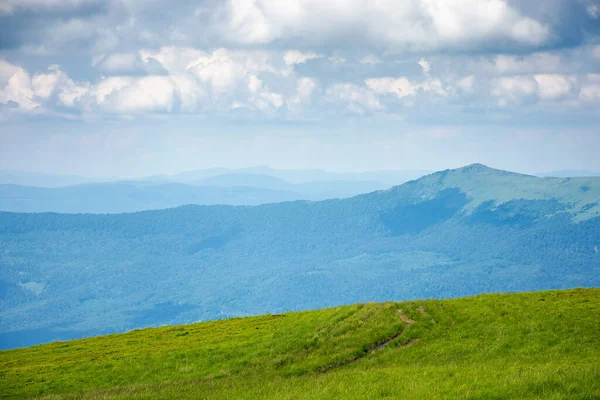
[35, 192]
[452, 233]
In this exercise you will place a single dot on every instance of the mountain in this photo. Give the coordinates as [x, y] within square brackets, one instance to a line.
[312, 190]
[508, 346]
[157, 192]
[453, 233]
[241, 179]
[119, 197]
[40, 179]
[568, 173]
[386, 178]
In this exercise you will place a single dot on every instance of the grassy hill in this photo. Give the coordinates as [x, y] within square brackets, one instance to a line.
[449, 234]
[540, 345]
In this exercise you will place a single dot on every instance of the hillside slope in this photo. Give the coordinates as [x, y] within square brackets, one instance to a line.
[523, 345]
[449, 234]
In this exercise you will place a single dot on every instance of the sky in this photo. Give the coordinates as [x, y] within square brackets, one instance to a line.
[130, 88]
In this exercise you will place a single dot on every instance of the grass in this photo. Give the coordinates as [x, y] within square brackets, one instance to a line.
[542, 345]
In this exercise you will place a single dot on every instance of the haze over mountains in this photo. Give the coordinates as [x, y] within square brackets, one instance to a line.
[452, 233]
[33, 192]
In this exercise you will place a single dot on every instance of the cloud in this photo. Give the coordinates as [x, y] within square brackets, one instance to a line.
[15, 87]
[412, 25]
[513, 89]
[467, 84]
[293, 57]
[305, 87]
[400, 87]
[223, 70]
[9, 7]
[554, 86]
[425, 65]
[590, 91]
[128, 64]
[403, 87]
[371, 59]
[537, 62]
[356, 98]
[254, 84]
[57, 83]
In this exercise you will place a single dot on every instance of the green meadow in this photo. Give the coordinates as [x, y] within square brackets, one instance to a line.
[540, 345]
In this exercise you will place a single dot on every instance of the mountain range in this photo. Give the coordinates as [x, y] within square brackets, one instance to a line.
[32, 192]
[452, 233]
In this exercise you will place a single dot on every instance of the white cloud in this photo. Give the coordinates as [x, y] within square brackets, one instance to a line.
[513, 89]
[401, 87]
[412, 25]
[15, 87]
[106, 87]
[293, 57]
[371, 59]
[173, 59]
[553, 86]
[56, 82]
[254, 84]
[596, 52]
[223, 70]
[357, 98]
[425, 65]
[590, 90]
[268, 99]
[534, 63]
[467, 84]
[305, 87]
[44, 84]
[125, 63]
[147, 94]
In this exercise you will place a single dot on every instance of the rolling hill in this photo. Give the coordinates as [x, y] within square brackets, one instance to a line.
[521, 345]
[449, 234]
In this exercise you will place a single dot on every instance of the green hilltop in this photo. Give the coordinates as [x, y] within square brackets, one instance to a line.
[495, 346]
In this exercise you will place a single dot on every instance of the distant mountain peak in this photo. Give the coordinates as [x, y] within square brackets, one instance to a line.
[478, 168]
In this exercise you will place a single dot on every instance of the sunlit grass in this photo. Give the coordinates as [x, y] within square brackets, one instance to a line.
[527, 345]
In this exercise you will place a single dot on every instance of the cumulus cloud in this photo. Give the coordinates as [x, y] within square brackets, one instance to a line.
[590, 91]
[15, 87]
[403, 87]
[467, 84]
[537, 62]
[513, 89]
[56, 83]
[554, 86]
[300, 56]
[400, 87]
[414, 24]
[127, 64]
[356, 98]
[293, 57]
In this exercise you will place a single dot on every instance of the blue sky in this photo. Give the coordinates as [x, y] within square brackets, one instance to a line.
[130, 87]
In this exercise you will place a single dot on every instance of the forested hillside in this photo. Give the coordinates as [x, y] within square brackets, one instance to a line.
[452, 233]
